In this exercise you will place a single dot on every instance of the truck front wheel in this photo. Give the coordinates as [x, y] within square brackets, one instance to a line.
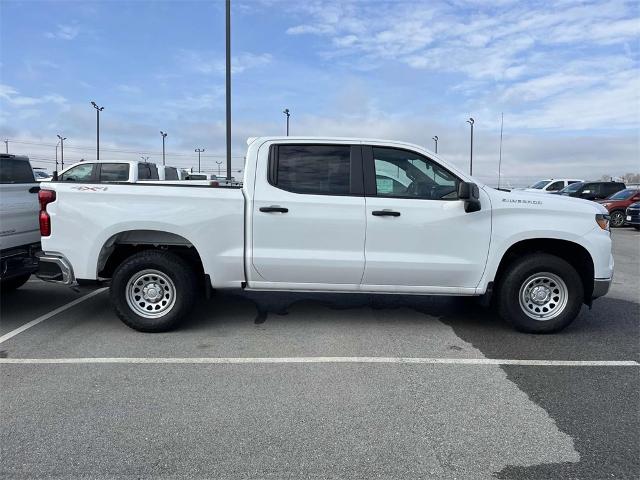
[153, 290]
[540, 293]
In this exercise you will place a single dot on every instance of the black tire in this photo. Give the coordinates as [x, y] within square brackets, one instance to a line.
[617, 218]
[520, 273]
[13, 283]
[179, 280]
[636, 227]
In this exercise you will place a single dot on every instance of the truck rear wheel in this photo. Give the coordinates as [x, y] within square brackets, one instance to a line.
[540, 293]
[153, 290]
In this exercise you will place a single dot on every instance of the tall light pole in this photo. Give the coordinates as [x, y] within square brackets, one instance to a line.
[219, 163]
[471, 122]
[57, 145]
[164, 135]
[199, 150]
[228, 83]
[435, 139]
[500, 155]
[6, 145]
[144, 159]
[98, 110]
[62, 139]
[288, 114]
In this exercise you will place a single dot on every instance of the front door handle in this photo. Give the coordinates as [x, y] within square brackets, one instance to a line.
[274, 208]
[385, 213]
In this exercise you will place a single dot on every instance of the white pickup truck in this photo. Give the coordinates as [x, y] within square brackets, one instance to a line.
[329, 215]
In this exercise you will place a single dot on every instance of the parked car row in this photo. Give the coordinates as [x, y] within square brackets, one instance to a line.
[615, 196]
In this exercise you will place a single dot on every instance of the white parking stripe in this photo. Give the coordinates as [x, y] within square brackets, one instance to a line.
[281, 360]
[52, 313]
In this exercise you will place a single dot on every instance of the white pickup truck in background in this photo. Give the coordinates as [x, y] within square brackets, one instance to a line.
[126, 171]
[19, 232]
[329, 215]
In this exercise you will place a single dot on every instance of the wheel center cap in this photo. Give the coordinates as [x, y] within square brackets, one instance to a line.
[152, 292]
[540, 295]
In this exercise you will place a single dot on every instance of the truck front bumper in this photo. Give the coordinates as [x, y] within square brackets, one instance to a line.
[601, 287]
[54, 267]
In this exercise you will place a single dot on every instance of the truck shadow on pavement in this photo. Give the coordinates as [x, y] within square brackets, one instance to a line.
[611, 321]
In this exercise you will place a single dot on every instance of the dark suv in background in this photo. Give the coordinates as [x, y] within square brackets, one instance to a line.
[592, 190]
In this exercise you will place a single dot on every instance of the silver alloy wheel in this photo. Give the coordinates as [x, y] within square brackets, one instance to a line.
[151, 293]
[617, 219]
[543, 296]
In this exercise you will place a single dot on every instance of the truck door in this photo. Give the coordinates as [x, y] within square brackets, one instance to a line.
[418, 233]
[308, 216]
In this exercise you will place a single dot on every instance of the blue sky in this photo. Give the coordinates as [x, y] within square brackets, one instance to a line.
[565, 74]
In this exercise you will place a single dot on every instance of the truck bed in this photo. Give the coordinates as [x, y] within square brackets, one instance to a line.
[97, 215]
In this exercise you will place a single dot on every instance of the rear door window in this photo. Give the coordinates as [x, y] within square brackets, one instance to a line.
[144, 172]
[312, 169]
[154, 171]
[170, 173]
[15, 171]
[114, 172]
[79, 173]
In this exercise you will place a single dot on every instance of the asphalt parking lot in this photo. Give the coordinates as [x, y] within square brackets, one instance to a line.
[478, 400]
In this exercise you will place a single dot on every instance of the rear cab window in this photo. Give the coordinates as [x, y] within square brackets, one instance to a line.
[13, 170]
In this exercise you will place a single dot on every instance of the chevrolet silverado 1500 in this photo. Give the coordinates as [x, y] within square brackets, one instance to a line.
[329, 215]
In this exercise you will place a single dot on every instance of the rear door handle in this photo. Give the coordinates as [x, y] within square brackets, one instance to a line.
[274, 208]
[34, 189]
[385, 213]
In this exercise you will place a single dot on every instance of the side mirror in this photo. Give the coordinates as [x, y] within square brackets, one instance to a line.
[54, 177]
[470, 193]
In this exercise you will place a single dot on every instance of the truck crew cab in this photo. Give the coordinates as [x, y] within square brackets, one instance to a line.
[330, 215]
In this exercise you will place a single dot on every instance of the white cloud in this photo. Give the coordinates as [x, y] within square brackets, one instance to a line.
[11, 96]
[64, 32]
[535, 59]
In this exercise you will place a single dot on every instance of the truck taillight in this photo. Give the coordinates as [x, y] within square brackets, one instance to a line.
[45, 197]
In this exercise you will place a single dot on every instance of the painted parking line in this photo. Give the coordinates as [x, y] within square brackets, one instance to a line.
[52, 313]
[284, 360]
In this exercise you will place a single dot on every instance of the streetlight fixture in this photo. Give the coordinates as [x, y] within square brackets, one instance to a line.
[471, 122]
[199, 150]
[62, 139]
[164, 135]
[435, 139]
[98, 110]
[288, 114]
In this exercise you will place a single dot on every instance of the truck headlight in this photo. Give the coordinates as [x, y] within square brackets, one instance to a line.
[602, 220]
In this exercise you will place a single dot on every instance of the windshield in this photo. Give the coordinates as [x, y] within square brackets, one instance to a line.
[574, 187]
[622, 194]
[540, 185]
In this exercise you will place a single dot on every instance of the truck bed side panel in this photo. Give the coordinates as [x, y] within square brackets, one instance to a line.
[85, 217]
